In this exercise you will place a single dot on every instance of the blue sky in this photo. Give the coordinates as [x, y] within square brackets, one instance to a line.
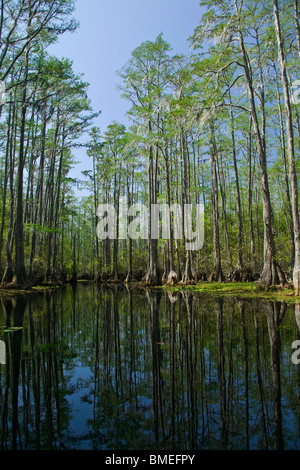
[109, 31]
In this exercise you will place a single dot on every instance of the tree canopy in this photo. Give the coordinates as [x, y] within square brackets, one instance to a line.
[218, 127]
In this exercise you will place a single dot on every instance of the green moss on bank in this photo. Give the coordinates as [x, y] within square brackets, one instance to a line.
[246, 290]
[238, 289]
[16, 291]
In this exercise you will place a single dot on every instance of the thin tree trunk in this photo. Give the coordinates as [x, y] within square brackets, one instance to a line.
[250, 191]
[297, 23]
[217, 274]
[152, 276]
[57, 205]
[171, 277]
[49, 216]
[8, 274]
[38, 198]
[30, 139]
[8, 145]
[223, 202]
[130, 201]
[286, 178]
[272, 273]
[97, 218]
[292, 164]
[187, 277]
[239, 264]
[117, 184]
[20, 275]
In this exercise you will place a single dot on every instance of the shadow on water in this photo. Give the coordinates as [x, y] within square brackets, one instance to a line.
[114, 368]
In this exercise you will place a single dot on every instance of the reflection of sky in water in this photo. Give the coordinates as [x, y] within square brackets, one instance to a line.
[119, 387]
[81, 409]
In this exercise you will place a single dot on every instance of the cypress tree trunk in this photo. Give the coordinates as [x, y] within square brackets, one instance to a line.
[187, 277]
[115, 274]
[97, 218]
[296, 23]
[250, 192]
[73, 279]
[271, 273]
[152, 275]
[8, 274]
[171, 275]
[286, 179]
[129, 201]
[39, 197]
[106, 246]
[217, 274]
[49, 216]
[20, 276]
[54, 275]
[223, 202]
[239, 264]
[8, 145]
[292, 165]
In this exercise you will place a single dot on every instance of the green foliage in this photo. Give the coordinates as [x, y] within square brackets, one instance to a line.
[174, 98]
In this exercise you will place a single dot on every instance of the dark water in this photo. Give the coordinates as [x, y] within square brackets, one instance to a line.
[112, 369]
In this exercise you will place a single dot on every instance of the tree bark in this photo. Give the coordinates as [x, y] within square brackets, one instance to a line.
[292, 164]
[239, 264]
[8, 146]
[50, 214]
[117, 184]
[129, 276]
[286, 178]
[271, 273]
[39, 197]
[187, 277]
[223, 202]
[217, 274]
[171, 275]
[9, 273]
[297, 23]
[54, 274]
[152, 275]
[250, 191]
[20, 276]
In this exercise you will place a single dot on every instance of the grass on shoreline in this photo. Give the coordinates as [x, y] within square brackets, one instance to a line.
[7, 291]
[234, 289]
[238, 289]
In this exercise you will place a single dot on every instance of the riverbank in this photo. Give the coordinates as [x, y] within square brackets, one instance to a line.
[238, 289]
[246, 290]
[12, 291]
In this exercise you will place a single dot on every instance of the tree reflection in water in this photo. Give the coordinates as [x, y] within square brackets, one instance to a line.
[120, 368]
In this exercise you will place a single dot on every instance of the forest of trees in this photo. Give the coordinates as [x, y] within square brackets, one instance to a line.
[218, 127]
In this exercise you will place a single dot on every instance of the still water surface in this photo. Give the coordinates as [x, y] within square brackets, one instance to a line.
[113, 368]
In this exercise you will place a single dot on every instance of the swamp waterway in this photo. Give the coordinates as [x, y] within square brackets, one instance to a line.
[111, 368]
